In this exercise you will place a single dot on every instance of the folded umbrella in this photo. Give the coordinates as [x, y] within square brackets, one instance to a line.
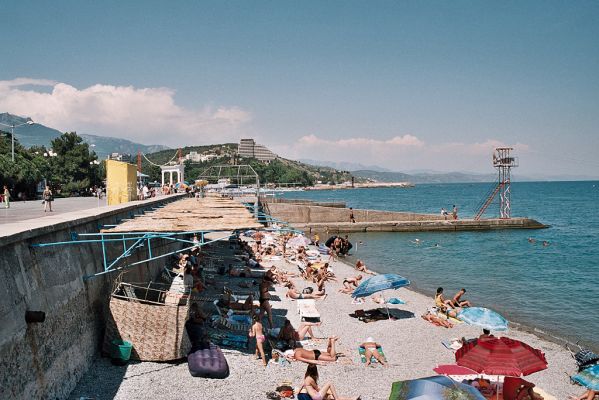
[483, 317]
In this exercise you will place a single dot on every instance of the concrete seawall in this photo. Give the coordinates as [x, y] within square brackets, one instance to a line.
[45, 360]
[313, 218]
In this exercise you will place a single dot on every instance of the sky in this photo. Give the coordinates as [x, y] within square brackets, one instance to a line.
[405, 85]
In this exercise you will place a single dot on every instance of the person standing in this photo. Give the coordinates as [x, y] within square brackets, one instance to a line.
[6, 194]
[351, 216]
[454, 213]
[48, 199]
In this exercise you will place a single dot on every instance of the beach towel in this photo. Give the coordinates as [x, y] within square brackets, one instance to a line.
[452, 344]
[395, 300]
[307, 309]
[362, 352]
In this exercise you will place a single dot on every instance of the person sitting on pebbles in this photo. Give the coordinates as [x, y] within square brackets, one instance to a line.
[349, 284]
[360, 266]
[311, 391]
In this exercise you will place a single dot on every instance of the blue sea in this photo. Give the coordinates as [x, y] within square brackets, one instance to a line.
[554, 289]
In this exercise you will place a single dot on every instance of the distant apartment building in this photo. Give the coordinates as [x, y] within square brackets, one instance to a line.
[250, 149]
[194, 156]
[120, 157]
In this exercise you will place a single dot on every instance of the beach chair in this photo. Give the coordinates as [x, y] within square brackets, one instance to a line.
[306, 308]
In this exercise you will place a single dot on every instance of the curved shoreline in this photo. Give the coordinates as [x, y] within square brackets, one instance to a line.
[514, 324]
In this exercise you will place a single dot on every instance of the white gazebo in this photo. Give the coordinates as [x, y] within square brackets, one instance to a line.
[178, 169]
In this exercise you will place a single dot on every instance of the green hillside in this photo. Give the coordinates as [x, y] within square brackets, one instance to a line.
[279, 171]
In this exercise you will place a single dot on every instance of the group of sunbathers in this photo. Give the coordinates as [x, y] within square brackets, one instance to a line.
[446, 307]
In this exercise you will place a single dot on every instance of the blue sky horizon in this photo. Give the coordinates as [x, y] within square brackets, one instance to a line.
[403, 85]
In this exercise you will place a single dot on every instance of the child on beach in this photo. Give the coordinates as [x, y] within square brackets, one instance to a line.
[257, 331]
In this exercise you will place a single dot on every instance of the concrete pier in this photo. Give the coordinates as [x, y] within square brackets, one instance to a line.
[316, 218]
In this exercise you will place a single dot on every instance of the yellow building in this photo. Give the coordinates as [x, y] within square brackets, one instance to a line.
[121, 182]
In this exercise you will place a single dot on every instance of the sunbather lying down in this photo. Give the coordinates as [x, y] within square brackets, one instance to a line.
[314, 356]
[371, 350]
[431, 316]
[587, 395]
[294, 294]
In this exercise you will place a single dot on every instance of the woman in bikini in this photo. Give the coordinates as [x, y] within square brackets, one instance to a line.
[257, 331]
[371, 350]
[290, 335]
[315, 356]
[311, 391]
[360, 266]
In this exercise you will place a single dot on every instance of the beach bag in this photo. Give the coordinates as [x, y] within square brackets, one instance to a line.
[585, 358]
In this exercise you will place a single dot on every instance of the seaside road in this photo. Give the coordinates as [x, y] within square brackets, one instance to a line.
[24, 210]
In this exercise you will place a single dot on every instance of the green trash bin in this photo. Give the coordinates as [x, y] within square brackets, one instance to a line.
[120, 351]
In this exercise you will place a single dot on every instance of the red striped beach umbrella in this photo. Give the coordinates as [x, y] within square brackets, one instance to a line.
[501, 356]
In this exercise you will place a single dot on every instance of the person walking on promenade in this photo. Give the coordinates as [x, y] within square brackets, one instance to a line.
[6, 194]
[351, 216]
[454, 213]
[48, 199]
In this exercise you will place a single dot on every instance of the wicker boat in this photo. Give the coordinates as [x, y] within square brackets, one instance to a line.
[148, 317]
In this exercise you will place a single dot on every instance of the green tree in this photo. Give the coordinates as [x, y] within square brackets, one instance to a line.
[73, 167]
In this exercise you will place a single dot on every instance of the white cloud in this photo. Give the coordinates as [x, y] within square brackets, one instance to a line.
[147, 115]
[406, 152]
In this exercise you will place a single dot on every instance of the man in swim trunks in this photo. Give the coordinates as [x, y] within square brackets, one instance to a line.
[457, 299]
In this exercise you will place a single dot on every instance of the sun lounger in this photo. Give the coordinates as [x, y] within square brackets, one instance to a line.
[306, 308]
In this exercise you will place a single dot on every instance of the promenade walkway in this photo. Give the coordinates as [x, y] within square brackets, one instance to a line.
[24, 210]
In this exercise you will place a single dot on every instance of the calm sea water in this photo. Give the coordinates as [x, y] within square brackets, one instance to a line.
[554, 289]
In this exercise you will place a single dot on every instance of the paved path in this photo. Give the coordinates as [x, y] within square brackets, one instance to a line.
[24, 210]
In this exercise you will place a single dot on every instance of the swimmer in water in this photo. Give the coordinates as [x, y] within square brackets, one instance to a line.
[545, 243]
[416, 241]
[531, 240]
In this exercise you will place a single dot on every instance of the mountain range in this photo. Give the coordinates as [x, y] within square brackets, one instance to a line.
[41, 135]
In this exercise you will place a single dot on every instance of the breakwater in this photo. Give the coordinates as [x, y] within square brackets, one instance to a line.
[46, 359]
[317, 218]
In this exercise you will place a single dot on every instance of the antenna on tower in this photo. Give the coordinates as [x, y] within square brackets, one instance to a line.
[504, 161]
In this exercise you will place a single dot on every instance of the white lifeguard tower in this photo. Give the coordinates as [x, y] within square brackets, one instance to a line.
[503, 161]
[178, 169]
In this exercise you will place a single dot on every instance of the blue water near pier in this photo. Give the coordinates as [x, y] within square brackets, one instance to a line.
[553, 288]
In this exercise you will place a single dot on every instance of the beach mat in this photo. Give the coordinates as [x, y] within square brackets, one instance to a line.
[362, 352]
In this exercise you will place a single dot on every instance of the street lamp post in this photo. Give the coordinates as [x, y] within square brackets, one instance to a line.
[12, 134]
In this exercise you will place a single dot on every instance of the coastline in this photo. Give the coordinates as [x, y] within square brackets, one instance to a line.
[513, 324]
[412, 346]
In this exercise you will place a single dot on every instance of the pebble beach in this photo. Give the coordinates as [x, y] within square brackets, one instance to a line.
[413, 347]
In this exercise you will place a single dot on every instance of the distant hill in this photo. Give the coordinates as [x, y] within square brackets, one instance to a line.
[279, 171]
[344, 165]
[40, 135]
[449, 177]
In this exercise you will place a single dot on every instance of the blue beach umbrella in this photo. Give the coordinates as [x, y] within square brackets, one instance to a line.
[588, 377]
[380, 282]
[433, 388]
[483, 317]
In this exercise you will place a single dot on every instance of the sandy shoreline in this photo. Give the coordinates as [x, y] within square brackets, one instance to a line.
[413, 348]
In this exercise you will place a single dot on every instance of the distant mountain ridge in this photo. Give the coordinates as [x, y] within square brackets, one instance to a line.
[41, 135]
[344, 165]
[448, 177]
